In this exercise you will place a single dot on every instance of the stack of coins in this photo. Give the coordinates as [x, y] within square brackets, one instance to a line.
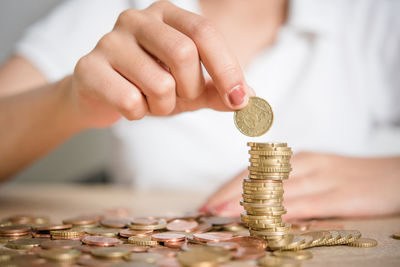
[263, 190]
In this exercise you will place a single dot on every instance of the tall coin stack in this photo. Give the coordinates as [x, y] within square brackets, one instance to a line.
[263, 190]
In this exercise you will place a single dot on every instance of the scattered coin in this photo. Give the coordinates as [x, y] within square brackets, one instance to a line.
[364, 243]
[60, 254]
[67, 244]
[101, 241]
[396, 235]
[296, 255]
[111, 252]
[24, 243]
[182, 225]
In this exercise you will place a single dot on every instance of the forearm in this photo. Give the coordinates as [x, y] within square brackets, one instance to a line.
[33, 123]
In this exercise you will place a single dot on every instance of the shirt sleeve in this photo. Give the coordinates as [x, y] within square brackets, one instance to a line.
[55, 43]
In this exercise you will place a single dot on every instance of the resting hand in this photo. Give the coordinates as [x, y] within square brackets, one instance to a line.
[323, 186]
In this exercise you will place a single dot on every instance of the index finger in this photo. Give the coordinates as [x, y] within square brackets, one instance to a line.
[216, 56]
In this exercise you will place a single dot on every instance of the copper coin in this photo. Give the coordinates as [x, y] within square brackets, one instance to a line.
[220, 221]
[16, 234]
[83, 220]
[145, 221]
[129, 233]
[213, 236]
[14, 229]
[135, 248]
[182, 225]
[177, 244]
[49, 227]
[249, 241]
[168, 237]
[248, 253]
[50, 244]
[166, 251]
[224, 245]
[203, 227]
[101, 241]
[115, 223]
[40, 235]
[21, 219]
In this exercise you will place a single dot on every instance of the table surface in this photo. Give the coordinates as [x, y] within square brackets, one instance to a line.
[62, 201]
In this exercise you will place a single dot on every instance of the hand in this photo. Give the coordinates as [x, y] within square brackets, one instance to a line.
[327, 186]
[150, 63]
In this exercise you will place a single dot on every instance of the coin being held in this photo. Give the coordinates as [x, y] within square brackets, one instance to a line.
[255, 119]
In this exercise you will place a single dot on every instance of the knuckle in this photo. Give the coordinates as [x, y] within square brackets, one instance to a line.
[164, 108]
[130, 103]
[109, 41]
[159, 4]
[165, 86]
[127, 16]
[184, 51]
[204, 29]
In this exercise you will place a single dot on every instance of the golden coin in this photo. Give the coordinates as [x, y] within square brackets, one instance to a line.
[255, 119]
[295, 255]
[207, 256]
[396, 235]
[143, 257]
[102, 232]
[270, 153]
[160, 224]
[318, 238]
[271, 261]
[267, 169]
[334, 236]
[110, 252]
[142, 241]
[355, 234]
[24, 243]
[60, 254]
[344, 238]
[254, 144]
[363, 243]
[7, 254]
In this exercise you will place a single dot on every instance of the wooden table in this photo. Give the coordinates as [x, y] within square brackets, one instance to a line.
[63, 201]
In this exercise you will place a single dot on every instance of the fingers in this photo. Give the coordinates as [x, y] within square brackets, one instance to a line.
[174, 49]
[217, 58]
[101, 81]
[225, 197]
[141, 70]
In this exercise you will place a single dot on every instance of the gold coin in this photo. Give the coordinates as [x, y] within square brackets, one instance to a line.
[161, 224]
[271, 261]
[331, 237]
[295, 255]
[110, 252]
[102, 232]
[143, 257]
[60, 254]
[318, 238]
[255, 119]
[295, 243]
[207, 256]
[254, 144]
[396, 235]
[142, 241]
[24, 243]
[355, 234]
[363, 243]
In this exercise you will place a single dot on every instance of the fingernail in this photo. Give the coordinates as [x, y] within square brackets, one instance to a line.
[237, 95]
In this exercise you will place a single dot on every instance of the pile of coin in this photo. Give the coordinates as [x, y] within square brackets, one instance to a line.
[187, 240]
[263, 190]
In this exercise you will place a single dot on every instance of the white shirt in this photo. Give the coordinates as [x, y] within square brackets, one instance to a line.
[332, 78]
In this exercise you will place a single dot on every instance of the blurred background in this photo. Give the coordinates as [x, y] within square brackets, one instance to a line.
[61, 165]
